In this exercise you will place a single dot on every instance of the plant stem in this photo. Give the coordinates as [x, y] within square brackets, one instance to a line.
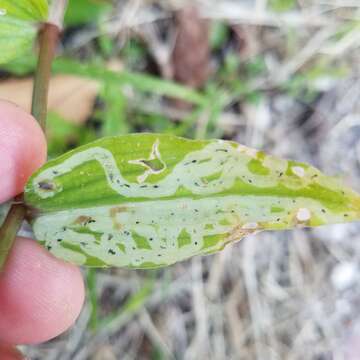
[9, 230]
[48, 39]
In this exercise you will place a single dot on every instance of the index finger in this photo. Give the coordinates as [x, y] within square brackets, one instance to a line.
[22, 149]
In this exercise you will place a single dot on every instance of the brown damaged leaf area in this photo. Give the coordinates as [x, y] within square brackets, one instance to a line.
[83, 220]
[113, 212]
[237, 233]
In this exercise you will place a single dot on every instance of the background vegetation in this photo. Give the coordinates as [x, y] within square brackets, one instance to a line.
[280, 75]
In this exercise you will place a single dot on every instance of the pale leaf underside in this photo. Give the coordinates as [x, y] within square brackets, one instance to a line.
[150, 200]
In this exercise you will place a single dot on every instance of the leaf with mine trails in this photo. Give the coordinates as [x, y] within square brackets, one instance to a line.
[18, 26]
[150, 200]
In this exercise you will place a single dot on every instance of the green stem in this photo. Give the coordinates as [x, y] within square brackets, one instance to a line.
[48, 39]
[9, 230]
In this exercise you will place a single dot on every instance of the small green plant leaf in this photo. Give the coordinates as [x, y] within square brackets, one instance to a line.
[18, 26]
[150, 200]
[16, 36]
[139, 81]
[28, 10]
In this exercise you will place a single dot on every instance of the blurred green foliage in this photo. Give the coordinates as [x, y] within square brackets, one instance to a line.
[134, 54]
[81, 12]
[113, 113]
[219, 34]
[307, 84]
[282, 5]
[64, 135]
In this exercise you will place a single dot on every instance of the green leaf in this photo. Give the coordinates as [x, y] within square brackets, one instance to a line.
[219, 34]
[150, 200]
[114, 113]
[80, 12]
[29, 10]
[18, 26]
[63, 134]
[141, 82]
[282, 5]
[16, 36]
[21, 66]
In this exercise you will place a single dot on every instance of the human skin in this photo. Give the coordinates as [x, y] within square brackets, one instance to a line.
[40, 296]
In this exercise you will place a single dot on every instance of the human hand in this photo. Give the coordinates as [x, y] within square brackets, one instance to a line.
[40, 296]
